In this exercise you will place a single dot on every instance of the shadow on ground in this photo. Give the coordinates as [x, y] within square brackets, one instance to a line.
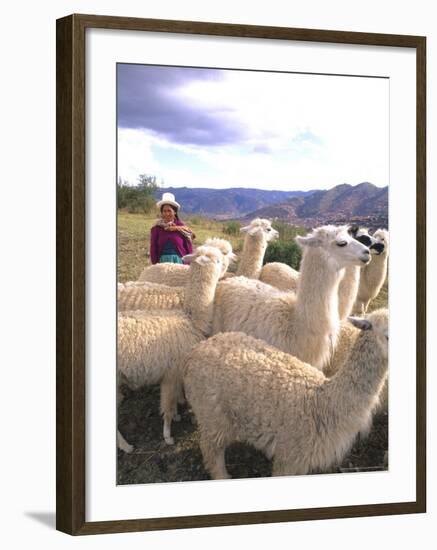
[46, 518]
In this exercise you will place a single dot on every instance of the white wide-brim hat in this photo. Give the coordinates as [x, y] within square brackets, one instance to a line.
[168, 198]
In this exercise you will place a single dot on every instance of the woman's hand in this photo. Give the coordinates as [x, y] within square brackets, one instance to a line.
[177, 228]
[180, 228]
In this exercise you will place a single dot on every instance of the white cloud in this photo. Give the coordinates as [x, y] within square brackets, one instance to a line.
[303, 131]
[135, 156]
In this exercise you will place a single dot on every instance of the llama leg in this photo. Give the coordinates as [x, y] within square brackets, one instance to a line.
[169, 395]
[123, 444]
[180, 398]
[167, 430]
[214, 458]
[279, 468]
[284, 467]
[181, 394]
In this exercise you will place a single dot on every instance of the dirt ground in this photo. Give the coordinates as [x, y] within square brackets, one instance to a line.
[154, 461]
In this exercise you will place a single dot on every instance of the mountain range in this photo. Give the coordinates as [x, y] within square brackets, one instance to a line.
[227, 203]
[363, 203]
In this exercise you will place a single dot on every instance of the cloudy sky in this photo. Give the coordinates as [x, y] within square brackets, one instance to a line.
[223, 128]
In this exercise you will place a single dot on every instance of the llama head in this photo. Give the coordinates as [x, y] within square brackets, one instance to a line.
[377, 322]
[260, 229]
[361, 234]
[337, 245]
[381, 242]
[206, 259]
[225, 248]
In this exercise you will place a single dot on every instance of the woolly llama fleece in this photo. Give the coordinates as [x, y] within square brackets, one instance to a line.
[305, 324]
[177, 274]
[151, 347]
[242, 389]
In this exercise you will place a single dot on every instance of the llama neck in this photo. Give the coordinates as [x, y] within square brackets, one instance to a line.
[199, 298]
[347, 291]
[317, 298]
[353, 390]
[376, 269]
[252, 258]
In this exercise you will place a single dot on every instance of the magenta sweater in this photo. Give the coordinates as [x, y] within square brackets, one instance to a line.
[159, 237]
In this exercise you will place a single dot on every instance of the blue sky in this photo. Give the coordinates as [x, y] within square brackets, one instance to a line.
[221, 128]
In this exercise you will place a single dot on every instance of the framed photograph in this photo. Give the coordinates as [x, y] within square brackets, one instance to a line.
[241, 274]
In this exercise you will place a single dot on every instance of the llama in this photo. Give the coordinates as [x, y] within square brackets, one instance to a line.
[258, 235]
[286, 278]
[146, 296]
[303, 324]
[242, 389]
[152, 346]
[373, 276]
[177, 274]
[280, 275]
[347, 338]
[348, 288]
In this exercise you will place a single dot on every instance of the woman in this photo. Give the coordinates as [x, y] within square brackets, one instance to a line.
[170, 239]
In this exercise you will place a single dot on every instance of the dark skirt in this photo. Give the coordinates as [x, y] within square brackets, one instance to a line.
[170, 259]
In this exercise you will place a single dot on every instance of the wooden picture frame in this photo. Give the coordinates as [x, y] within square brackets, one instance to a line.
[71, 284]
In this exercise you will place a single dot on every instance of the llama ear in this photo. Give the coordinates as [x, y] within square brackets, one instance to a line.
[188, 258]
[353, 230]
[360, 323]
[308, 240]
[252, 230]
[202, 260]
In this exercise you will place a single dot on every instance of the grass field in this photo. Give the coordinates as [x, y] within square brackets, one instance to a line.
[139, 417]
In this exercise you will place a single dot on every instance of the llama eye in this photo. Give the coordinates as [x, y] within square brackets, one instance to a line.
[269, 229]
[342, 243]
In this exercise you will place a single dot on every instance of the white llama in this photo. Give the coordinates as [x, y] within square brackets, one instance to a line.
[242, 389]
[135, 295]
[348, 288]
[258, 235]
[373, 276]
[286, 278]
[151, 347]
[304, 324]
[177, 274]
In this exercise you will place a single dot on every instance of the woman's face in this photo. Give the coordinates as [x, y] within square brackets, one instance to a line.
[168, 214]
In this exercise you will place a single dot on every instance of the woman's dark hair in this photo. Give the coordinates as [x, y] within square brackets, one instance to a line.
[175, 210]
